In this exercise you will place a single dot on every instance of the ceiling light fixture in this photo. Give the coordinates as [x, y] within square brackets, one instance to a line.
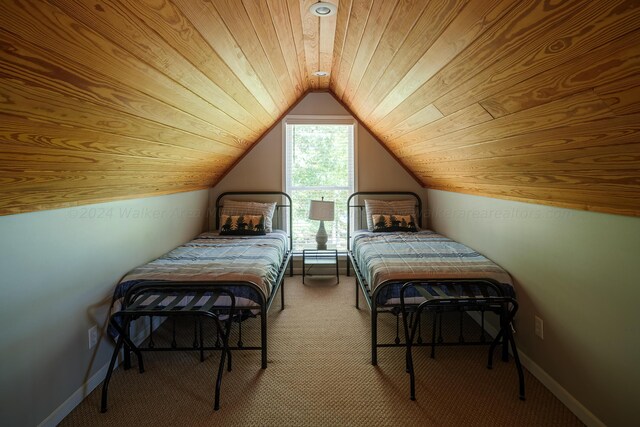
[320, 73]
[322, 8]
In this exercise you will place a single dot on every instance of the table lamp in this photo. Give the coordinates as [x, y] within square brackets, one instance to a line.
[322, 211]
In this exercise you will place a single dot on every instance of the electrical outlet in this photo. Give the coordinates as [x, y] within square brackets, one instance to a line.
[93, 336]
[539, 329]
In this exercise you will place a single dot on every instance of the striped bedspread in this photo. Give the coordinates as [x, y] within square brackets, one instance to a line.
[404, 256]
[211, 257]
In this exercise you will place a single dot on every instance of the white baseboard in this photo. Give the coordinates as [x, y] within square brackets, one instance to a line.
[75, 399]
[578, 409]
[96, 379]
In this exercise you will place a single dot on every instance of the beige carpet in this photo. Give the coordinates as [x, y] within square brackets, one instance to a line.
[319, 374]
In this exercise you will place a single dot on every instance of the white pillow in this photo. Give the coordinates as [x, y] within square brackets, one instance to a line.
[234, 207]
[389, 207]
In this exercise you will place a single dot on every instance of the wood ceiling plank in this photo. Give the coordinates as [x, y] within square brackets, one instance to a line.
[293, 7]
[538, 39]
[479, 55]
[358, 17]
[311, 41]
[177, 31]
[117, 23]
[342, 23]
[15, 202]
[260, 18]
[38, 103]
[325, 46]
[449, 42]
[576, 109]
[55, 159]
[401, 23]
[427, 115]
[48, 27]
[625, 204]
[601, 159]
[470, 116]
[434, 20]
[293, 57]
[613, 181]
[608, 132]
[616, 60]
[29, 181]
[461, 68]
[209, 24]
[239, 25]
[31, 69]
[24, 132]
[379, 17]
[622, 96]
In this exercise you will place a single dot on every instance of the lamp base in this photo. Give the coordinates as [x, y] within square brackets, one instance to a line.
[321, 237]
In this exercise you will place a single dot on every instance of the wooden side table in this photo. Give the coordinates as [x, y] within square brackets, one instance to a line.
[321, 258]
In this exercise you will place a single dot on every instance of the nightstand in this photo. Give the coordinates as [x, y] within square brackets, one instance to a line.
[321, 259]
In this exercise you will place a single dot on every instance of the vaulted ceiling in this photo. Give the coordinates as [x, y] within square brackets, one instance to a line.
[536, 101]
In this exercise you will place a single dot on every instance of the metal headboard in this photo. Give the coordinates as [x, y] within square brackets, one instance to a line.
[356, 206]
[282, 213]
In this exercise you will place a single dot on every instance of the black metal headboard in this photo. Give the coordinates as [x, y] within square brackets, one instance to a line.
[283, 216]
[356, 208]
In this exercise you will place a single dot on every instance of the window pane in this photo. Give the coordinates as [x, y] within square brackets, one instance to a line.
[320, 155]
[319, 164]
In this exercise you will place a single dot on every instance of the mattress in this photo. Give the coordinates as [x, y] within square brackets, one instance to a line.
[403, 256]
[212, 257]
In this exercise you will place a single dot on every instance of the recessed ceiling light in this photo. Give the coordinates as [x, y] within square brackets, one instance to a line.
[320, 73]
[323, 8]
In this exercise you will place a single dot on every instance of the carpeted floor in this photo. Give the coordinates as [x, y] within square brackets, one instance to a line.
[320, 374]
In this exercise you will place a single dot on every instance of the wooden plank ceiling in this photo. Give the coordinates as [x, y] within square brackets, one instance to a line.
[536, 101]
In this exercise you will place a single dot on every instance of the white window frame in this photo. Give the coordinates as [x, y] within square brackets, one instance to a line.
[317, 120]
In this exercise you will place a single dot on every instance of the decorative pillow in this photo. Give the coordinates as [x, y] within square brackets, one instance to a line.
[389, 207]
[233, 207]
[242, 225]
[394, 223]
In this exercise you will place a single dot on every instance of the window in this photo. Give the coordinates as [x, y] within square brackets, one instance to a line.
[319, 164]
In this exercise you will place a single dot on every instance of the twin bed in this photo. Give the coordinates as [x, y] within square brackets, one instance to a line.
[233, 273]
[404, 270]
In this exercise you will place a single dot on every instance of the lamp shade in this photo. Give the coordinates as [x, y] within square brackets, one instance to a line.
[321, 210]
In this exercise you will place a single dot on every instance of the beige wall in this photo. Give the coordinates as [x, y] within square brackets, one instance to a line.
[262, 168]
[58, 270]
[580, 272]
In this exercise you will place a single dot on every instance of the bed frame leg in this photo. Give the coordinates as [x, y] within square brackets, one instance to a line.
[409, 356]
[263, 334]
[433, 334]
[201, 340]
[374, 334]
[357, 296]
[505, 340]
[225, 351]
[127, 349]
[518, 366]
[282, 295]
[105, 384]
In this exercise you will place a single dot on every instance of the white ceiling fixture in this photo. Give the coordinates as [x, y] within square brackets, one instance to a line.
[321, 73]
[323, 8]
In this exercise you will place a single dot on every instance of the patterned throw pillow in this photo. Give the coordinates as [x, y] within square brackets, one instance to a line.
[393, 223]
[242, 225]
[389, 207]
[235, 207]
